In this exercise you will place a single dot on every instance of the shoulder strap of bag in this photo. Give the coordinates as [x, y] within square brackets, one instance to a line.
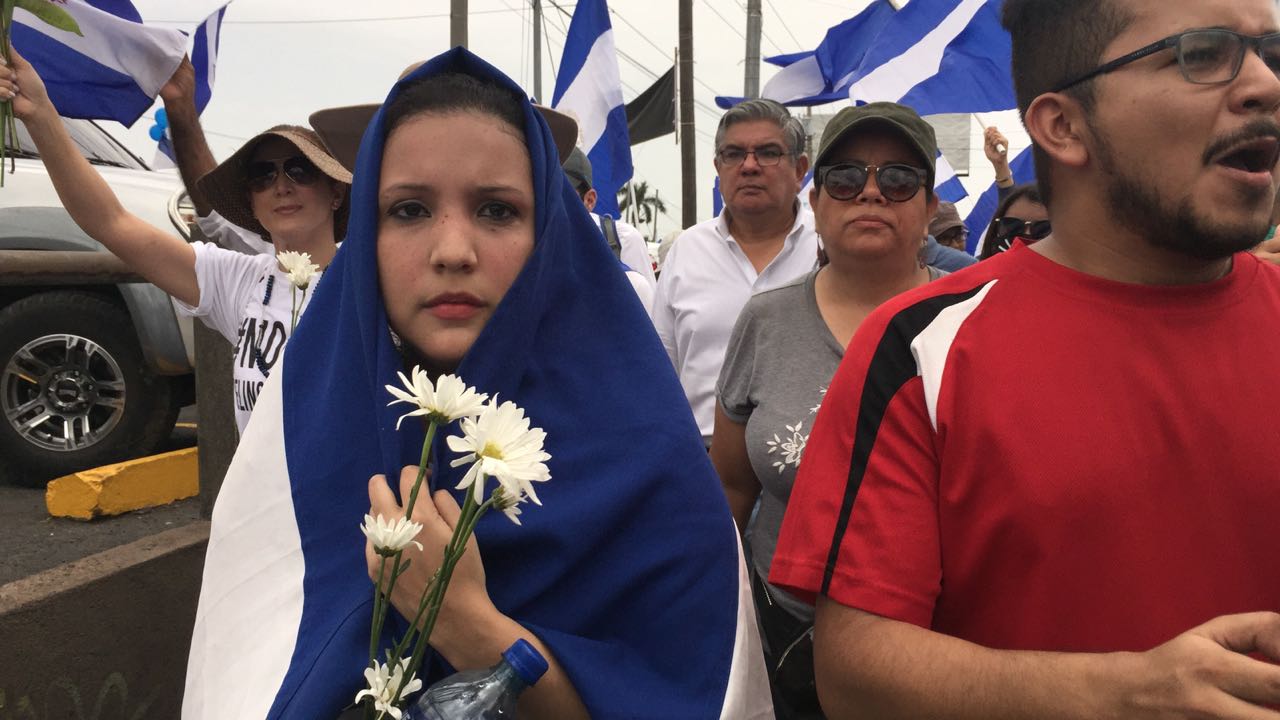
[611, 235]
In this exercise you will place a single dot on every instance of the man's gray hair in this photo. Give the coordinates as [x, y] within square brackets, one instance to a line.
[762, 109]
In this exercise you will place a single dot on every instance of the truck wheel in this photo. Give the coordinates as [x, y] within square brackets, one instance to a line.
[75, 392]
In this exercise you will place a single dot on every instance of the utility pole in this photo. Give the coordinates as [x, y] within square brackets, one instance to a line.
[751, 77]
[537, 50]
[458, 23]
[688, 159]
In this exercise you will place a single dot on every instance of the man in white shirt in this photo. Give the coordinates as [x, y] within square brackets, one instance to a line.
[630, 245]
[762, 239]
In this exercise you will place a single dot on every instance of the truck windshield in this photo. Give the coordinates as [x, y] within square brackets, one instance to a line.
[93, 142]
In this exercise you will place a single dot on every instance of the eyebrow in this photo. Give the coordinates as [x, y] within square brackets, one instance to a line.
[424, 187]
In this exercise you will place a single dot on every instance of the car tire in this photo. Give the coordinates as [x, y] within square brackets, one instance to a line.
[75, 392]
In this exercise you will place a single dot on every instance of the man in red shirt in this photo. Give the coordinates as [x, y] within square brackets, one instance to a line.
[1046, 486]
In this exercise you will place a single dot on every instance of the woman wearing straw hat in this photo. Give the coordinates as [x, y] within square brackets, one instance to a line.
[281, 184]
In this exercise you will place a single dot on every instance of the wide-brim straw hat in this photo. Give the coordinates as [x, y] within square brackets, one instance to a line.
[343, 127]
[226, 188]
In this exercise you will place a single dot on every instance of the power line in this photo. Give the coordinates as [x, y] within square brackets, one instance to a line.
[783, 20]
[327, 21]
[723, 19]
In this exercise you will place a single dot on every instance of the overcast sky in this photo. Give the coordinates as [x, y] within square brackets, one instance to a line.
[282, 59]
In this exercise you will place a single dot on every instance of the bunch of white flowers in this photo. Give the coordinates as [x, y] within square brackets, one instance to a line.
[498, 442]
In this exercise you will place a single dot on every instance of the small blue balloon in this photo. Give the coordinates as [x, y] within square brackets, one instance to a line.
[156, 132]
[162, 118]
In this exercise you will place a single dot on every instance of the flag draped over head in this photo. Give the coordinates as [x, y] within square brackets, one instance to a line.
[823, 75]
[112, 72]
[940, 56]
[204, 59]
[1024, 171]
[629, 571]
[590, 88]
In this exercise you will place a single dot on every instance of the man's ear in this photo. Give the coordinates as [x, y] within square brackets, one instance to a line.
[1058, 125]
[802, 168]
[589, 199]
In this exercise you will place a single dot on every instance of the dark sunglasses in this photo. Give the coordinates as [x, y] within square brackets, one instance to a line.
[261, 175]
[1008, 228]
[898, 183]
[1205, 57]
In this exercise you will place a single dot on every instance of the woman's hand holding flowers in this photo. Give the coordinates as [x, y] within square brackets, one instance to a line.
[466, 605]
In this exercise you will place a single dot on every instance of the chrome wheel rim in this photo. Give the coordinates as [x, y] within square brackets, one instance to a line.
[62, 392]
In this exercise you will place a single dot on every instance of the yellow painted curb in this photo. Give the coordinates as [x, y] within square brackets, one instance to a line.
[120, 488]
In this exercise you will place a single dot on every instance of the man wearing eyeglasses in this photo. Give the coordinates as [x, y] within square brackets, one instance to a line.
[1046, 486]
[762, 239]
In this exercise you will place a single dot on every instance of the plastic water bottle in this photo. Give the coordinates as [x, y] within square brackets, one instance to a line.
[482, 694]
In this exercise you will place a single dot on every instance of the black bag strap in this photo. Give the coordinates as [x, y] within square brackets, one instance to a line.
[611, 235]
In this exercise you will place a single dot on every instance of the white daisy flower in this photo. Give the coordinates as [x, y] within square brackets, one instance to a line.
[390, 537]
[446, 401]
[298, 266]
[501, 445]
[510, 506]
[383, 682]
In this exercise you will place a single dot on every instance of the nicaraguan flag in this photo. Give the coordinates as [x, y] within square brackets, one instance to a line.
[630, 571]
[204, 58]
[589, 88]
[1024, 171]
[113, 72]
[824, 75]
[946, 184]
[940, 56]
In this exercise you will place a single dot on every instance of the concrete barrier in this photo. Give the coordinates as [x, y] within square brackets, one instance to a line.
[106, 637]
[124, 487]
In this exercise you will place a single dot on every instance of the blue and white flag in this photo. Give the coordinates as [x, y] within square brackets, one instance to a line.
[590, 89]
[946, 184]
[204, 58]
[113, 72]
[630, 569]
[1024, 171]
[824, 75]
[940, 56]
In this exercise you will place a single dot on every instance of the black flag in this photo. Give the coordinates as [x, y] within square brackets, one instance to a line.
[653, 113]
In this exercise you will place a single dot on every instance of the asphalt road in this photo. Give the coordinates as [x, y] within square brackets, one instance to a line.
[31, 541]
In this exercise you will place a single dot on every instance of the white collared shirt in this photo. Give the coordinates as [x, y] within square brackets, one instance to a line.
[705, 281]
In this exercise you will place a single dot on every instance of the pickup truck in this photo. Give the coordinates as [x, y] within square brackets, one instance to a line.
[91, 372]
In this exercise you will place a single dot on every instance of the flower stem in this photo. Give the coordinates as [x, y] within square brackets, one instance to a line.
[293, 312]
[422, 467]
[379, 613]
[471, 514]
[380, 606]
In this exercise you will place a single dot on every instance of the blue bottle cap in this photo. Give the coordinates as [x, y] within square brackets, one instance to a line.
[526, 661]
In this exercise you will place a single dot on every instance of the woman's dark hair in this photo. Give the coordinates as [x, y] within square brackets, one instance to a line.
[1027, 191]
[456, 92]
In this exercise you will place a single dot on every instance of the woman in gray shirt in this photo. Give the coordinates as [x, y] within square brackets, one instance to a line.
[872, 200]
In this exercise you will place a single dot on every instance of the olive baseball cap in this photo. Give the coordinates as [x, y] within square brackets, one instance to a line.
[900, 118]
[578, 168]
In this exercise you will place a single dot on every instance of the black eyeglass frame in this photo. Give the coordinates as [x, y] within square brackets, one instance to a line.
[820, 179]
[261, 182]
[782, 152]
[1030, 229]
[1175, 42]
